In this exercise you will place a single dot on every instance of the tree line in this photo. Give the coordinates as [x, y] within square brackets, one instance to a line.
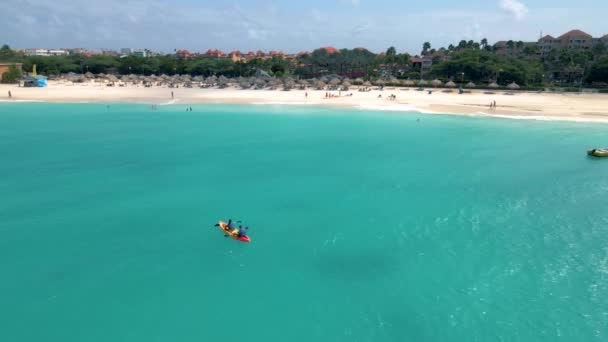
[467, 61]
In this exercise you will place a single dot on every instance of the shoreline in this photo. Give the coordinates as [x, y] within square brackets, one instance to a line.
[577, 107]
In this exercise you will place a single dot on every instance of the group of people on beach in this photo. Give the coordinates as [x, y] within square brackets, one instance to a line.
[493, 104]
[329, 95]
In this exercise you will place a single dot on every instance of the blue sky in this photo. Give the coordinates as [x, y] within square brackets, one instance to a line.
[290, 26]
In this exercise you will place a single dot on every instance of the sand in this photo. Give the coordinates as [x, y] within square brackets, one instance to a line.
[514, 104]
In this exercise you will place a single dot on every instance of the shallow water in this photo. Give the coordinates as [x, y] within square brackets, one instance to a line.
[366, 226]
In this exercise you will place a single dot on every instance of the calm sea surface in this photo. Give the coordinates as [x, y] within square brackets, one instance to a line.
[365, 226]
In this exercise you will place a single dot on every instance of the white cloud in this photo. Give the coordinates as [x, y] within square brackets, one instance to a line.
[515, 8]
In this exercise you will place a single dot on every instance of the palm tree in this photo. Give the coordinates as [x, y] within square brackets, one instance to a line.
[484, 43]
[425, 48]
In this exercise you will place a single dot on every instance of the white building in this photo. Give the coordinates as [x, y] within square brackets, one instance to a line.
[45, 52]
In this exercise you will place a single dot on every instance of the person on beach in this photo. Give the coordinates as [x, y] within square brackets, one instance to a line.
[171, 93]
[494, 104]
[306, 94]
[10, 95]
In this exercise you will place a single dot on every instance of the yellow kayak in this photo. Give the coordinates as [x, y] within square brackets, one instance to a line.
[598, 152]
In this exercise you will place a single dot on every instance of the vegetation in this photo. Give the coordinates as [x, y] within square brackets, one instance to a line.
[468, 61]
[12, 75]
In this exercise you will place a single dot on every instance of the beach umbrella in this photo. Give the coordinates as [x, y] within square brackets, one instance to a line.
[379, 82]
[513, 86]
[320, 85]
[450, 84]
[422, 82]
[89, 75]
[274, 83]
[493, 85]
[436, 83]
[358, 81]
[222, 82]
[409, 82]
[334, 82]
[367, 84]
[303, 84]
[325, 79]
[124, 78]
[471, 85]
[288, 84]
[345, 85]
[260, 83]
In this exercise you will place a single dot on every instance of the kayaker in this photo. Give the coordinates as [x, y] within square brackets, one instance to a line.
[242, 231]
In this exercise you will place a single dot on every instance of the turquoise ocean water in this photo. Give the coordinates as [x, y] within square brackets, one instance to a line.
[366, 226]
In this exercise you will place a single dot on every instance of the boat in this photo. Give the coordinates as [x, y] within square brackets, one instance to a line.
[229, 230]
[598, 152]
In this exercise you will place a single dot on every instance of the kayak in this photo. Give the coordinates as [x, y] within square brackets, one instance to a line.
[598, 152]
[233, 233]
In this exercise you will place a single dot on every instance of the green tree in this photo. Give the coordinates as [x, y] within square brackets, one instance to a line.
[599, 71]
[425, 48]
[599, 50]
[12, 75]
[484, 43]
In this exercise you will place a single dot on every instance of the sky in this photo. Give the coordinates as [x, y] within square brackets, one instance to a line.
[290, 26]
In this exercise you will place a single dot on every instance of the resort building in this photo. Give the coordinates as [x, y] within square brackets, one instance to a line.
[574, 39]
[45, 52]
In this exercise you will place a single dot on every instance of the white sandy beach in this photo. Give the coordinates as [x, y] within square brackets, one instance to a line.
[524, 105]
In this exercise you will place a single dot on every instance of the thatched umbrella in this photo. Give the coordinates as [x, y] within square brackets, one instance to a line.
[409, 83]
[471, 85]
[422, 82]
[345, 85]
[274, 83]
[260, 83]
[303, 84]
[89, 75]
[112, 78]
[288, 84]
[222, 82]
[367, 84]
[436, 83]
[450, 84]
[379, 82]
[211, 80]
[245, 85]
[493, 85]
[513, 86]
[334, 82]
[320, 85]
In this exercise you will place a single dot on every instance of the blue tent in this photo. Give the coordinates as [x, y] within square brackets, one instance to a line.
[42, 82]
